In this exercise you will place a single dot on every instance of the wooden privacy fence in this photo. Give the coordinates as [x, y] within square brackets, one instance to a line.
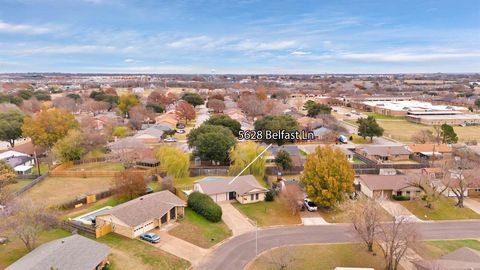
[90, 173]
[97, 231]
[31, 184]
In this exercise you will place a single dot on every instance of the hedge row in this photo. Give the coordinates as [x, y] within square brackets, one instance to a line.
[205, 206]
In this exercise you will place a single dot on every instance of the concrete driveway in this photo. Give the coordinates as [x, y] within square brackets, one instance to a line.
[472, 204]
[312, 218]
[235, 220]
[180, 248]
[397, 210]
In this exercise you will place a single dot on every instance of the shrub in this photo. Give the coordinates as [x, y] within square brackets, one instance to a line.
[400, 198]
[270, 195]
[205, 206]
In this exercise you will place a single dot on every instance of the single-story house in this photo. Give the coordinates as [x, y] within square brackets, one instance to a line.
[471, 186]
[430, 150]
[461, 259]
[142, 214]
[345, 150]
[169, 119]
[20, 162]
[30, 149]
[245, 189]
[149, 135]
[382, 153]
[70, 253]
[378, 186]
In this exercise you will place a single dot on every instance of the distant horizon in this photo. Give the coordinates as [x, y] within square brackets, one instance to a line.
[242, 74]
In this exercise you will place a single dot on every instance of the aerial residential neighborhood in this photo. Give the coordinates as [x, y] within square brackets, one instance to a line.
[339, 135]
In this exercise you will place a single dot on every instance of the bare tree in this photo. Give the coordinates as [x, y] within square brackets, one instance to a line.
[216, 105]
[168, 183]
[130, 184]
[27, 219]
[281, 258]
[365, 215]
[293, 196]
[251, 105]
[65, 103]
[432, 188]
[395, 238]
[138, 115]
[31, 106]
[424, 136]
[461, 174]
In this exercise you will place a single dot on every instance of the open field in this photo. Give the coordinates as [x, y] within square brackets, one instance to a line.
[199, 231]
[269, 213]
[398, 128]
[18, 185]
[325, 257]
[98, 166]
[15, 249]
[135, 254]
[58, 190]
[438, 248]
[444, 209]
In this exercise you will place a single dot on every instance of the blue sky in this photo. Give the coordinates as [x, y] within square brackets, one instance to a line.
[243, 36]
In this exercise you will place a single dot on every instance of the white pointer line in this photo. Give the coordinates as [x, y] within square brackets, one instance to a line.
[231, 181]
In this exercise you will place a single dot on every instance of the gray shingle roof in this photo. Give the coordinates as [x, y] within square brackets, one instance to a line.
[385, 150]
[385, 182]
[461, 259]
[243, 184]
[70, 253]
[145, 208]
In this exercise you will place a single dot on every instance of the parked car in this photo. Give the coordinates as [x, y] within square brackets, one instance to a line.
[170, 139]
[180, 131]
[149, 190]
[310, 205]
[150, 237]
[180, 125]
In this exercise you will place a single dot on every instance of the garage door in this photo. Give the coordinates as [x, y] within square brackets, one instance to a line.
[143, 229]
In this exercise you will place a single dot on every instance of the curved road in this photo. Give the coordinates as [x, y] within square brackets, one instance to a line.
[237, 252]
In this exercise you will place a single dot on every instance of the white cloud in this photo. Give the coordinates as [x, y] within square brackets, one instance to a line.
[190, 42]
[300, 53]
[128, 60]
[73, 49]
[265, 46]
[23, 28]
[406, 57]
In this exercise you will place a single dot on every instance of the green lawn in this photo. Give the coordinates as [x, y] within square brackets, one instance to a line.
[436, 249]
[306, 257]
[199, 231]
[136, 254]
[19, 184]
[338, 215]
[100, 166]
[269, 213]
[356, 160]
[15, 249]
[380, 116]
[359, 140]
[444, 209]
[43, 169]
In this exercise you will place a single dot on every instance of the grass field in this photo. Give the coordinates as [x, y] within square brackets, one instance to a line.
[188, 181]
[398, 128]
[111, 201]
[19, 184]
[15, 249]
[269, 213]
[100, 166]
[444, 209]
[199, 231]
[436, 249]
[340, 216]
[309, 257]
[135, 254]
[58, 190]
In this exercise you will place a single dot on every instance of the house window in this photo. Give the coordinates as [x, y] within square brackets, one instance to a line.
[408, 192]
[256, 196]
[251, 197]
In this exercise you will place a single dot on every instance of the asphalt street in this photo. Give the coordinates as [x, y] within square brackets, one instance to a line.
[238, 251]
